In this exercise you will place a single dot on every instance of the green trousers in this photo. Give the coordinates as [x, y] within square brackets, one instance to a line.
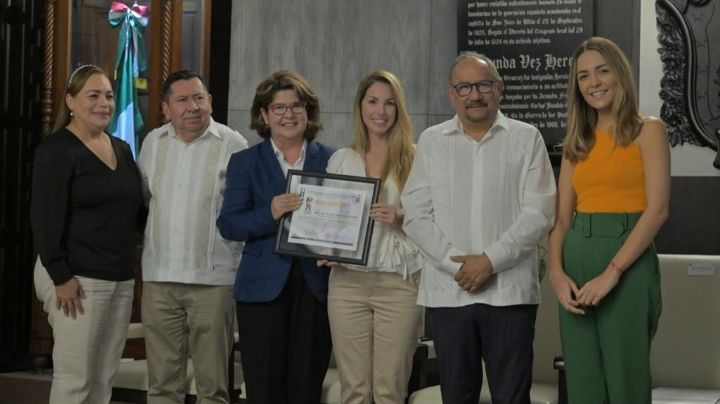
[607, 350]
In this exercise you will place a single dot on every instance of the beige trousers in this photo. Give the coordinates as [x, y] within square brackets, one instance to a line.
[184, 321]
[87, 350]
[375, 322]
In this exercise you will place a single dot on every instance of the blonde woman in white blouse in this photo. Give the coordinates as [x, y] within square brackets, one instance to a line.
[374, 317]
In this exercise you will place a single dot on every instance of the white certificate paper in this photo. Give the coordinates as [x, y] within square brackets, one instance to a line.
[328, 217]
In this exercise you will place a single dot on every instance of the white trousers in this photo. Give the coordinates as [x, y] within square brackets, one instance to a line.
[87, 350]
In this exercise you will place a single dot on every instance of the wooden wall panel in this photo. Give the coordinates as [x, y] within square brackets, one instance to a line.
[20, 78]
[692, 227]
[165, 34]
[219, 52]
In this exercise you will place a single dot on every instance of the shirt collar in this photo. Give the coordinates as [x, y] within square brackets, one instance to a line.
[279, 153]
[455, 125]
[211, 130]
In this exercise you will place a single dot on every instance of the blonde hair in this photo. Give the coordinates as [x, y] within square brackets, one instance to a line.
[401, 150]
[582, 118]
[76, 82]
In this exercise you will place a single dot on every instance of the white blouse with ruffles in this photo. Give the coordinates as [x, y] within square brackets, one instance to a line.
[390, 249]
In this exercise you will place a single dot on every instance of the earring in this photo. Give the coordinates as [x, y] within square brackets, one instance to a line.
[72, 113]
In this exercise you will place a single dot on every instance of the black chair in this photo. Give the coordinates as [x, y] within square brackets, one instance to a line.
[559, 365]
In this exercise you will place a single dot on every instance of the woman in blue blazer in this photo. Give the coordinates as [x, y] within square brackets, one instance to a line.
[281, 300]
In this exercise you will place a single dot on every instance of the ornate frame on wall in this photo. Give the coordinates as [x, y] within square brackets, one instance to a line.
[690, 87]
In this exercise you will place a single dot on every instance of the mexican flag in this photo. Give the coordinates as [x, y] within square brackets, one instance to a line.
[127, 121]
[130, 66]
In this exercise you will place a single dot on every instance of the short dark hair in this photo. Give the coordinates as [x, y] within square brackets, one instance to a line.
[177, 76]
[285, 80]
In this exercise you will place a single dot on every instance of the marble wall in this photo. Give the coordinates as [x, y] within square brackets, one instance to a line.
[334, 44]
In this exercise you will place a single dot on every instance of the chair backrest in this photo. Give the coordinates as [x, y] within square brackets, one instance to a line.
[547, 335]
[686, 348]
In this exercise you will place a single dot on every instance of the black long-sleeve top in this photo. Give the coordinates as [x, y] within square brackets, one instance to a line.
[83, 214]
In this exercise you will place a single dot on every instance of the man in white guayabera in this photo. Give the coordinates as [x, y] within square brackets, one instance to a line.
[188, 268]
[479, 199]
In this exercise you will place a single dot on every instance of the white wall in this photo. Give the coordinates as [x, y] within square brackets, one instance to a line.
[686, 160]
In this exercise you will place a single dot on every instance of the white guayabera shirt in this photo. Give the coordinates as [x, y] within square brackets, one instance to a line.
[495, 196]
[184, 185]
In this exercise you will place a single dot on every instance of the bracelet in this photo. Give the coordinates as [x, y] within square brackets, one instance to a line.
[617, 268]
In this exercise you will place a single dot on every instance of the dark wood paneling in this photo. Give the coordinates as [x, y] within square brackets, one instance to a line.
[165, 51]
[20, 77]
[219, 77]
[693, 226]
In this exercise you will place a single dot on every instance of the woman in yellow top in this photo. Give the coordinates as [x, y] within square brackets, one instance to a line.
[612, 199]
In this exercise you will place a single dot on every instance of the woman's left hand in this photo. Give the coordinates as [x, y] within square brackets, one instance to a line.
[594, 291]
[386, 213]
[68, 298]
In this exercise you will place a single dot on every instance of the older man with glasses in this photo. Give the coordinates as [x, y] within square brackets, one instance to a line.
[479, 199]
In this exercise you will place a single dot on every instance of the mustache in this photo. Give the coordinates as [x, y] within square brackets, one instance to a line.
[476, 104]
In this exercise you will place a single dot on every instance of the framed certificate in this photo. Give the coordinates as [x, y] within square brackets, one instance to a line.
[333, 222]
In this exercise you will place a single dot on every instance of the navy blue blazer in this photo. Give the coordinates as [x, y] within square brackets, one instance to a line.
[254, 177]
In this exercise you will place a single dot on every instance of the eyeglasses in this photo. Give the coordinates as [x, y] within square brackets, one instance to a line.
[482, 87]
[281, 109]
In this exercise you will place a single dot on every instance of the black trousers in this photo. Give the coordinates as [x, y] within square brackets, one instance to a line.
[502, 336]
[285, 345]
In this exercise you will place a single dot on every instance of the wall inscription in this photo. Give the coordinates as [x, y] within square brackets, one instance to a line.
[531, 42]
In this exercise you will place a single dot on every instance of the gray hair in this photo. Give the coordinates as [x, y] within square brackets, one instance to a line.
[477, 56]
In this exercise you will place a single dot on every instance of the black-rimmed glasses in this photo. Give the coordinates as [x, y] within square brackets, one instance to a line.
[482, 87]
[281, 109]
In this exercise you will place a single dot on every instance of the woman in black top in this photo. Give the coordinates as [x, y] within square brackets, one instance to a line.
[86, 199]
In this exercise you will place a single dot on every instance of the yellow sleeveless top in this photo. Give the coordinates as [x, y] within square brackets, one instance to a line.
[611, 178]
